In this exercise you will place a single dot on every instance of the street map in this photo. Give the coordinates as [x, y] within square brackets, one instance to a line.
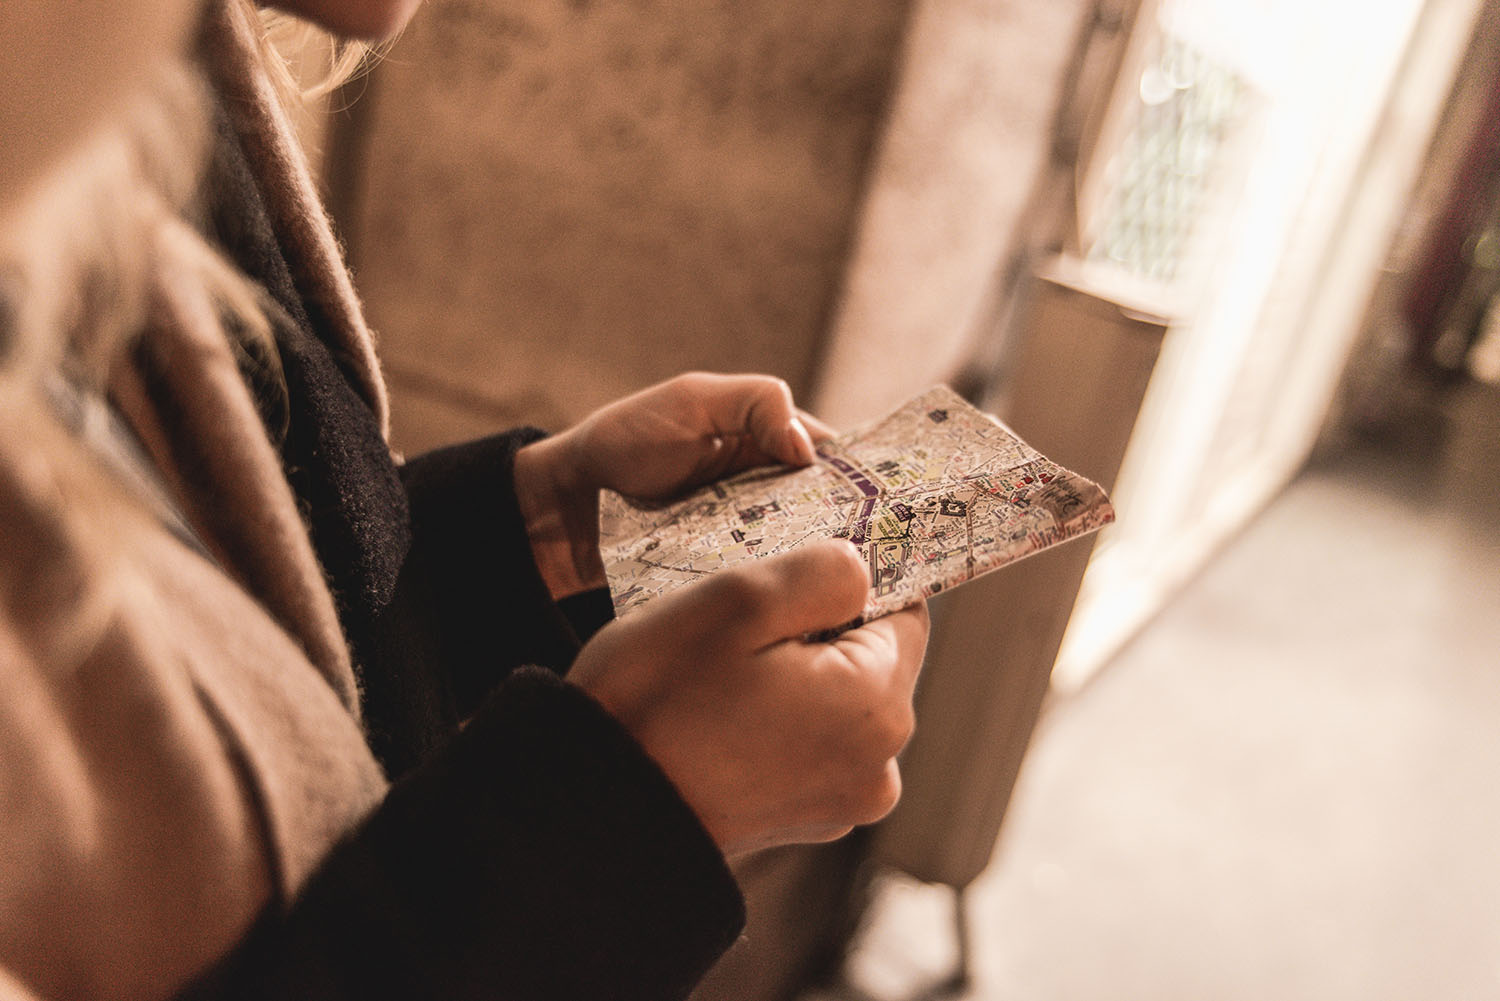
[934, 495]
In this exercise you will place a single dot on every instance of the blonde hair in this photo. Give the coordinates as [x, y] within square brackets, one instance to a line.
[82, 263]
[80, 258]
[290, 44]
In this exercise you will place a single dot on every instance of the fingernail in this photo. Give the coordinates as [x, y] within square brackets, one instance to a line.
[802, 444]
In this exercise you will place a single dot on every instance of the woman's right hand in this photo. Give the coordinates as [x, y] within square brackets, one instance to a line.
[769, 738]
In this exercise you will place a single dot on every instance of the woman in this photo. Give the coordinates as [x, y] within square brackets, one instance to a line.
[282, 718]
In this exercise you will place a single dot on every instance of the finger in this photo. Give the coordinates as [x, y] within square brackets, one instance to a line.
[800, 450]
[901, 637]
[820, 432]
[868, 797]
[803, 834]
[829, 582]
[885, 794]
[812, 588]
[775, 425]
[761, 408]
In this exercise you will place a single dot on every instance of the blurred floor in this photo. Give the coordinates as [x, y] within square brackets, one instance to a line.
[1289, 786]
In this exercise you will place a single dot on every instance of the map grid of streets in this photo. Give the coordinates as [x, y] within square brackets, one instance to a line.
[933, 495]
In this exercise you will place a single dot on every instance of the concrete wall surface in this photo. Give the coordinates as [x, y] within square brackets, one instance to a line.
[969, 130]
[556, 202]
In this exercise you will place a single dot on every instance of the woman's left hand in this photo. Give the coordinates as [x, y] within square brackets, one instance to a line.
[655, 444]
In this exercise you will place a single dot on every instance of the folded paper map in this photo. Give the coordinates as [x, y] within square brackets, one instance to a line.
[933, 495]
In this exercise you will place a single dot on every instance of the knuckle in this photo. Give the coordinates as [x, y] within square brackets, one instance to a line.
[691, 381]
[771, 395]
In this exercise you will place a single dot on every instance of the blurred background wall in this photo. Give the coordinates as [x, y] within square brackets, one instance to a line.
[556, 203]
[551, 204]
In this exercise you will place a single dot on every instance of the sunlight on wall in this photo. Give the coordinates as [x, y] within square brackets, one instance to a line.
[1268, 277]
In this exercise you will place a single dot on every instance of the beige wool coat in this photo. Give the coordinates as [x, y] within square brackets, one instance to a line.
[199, 758]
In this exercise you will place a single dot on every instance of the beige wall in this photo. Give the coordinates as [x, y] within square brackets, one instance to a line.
[563, 201]
[557, 202]
[969, 131]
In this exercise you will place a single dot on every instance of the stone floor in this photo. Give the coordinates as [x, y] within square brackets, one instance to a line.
[1289, 786]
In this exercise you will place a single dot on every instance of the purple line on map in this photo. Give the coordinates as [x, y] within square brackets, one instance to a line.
[861, 533]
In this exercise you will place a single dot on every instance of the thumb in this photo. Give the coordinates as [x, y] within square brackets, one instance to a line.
[777, 426]
[761, 407]
[815, 587]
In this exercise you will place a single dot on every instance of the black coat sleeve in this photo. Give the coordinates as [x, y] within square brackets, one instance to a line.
[469, 546]
[539, 857]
